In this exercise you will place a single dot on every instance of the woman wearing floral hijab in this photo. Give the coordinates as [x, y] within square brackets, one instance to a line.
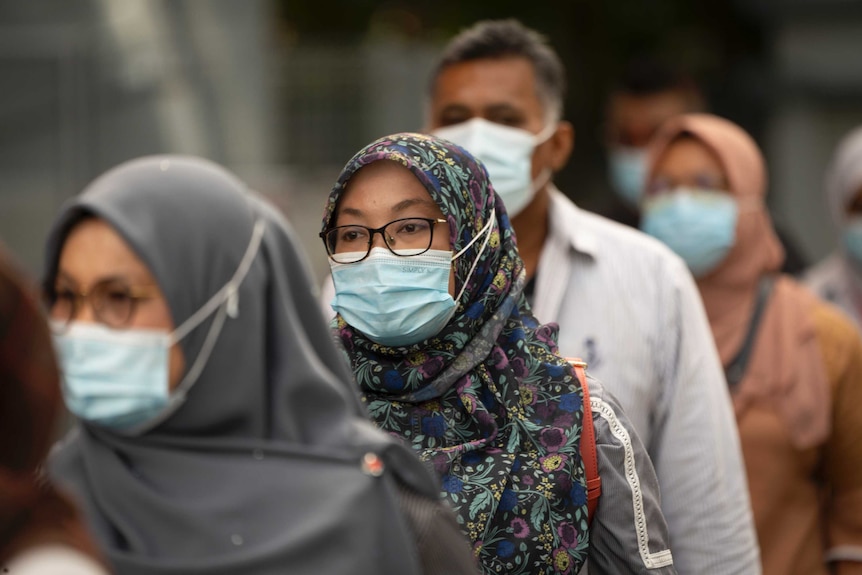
[449, 358]
[793, 363]
[838, 278]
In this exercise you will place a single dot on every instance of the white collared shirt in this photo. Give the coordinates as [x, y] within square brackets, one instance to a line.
[629, 307]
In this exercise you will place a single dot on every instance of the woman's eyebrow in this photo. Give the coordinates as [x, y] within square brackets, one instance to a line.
[115, 278]
[350, 212]
[411, 202]
[397, 208]
[63, 276]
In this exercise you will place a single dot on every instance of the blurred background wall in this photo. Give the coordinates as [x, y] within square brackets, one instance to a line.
[284, 92]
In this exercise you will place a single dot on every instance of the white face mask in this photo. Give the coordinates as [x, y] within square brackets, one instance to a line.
[507, 154]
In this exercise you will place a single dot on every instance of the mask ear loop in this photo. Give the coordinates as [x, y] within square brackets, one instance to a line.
[542, 179]
[545, 175]
[485, 230]
[546, 133]
[227, 295]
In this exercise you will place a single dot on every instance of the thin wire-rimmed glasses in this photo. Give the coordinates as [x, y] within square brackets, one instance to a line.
[403, 237]
[113, 302]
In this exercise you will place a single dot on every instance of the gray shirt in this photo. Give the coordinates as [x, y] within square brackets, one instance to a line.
[628, 533]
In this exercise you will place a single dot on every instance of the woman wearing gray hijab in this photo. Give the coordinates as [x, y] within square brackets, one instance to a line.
[838, 278]
[217, 429]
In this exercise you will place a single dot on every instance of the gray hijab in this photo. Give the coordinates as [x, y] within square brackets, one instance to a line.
[260, 469]
[844, 176]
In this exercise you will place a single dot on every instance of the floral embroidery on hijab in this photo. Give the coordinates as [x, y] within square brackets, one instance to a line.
[487, 401]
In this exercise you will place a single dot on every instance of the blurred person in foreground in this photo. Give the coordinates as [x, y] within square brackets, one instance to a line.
[429, 290]
[793, 362]
[40, 530]
[623, 301]
[838, 278]
[218, 431]
[649, 93]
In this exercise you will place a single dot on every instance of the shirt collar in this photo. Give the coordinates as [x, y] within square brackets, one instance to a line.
[570, 224]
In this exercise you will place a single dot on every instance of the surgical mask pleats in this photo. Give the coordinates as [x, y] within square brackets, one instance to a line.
[699, 225]
[117, 379]
[507, 154]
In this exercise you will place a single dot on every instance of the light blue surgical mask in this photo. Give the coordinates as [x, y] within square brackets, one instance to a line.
[397, 300]
[119, 378]
[699, 225]
[627, 172]
[507, 154]
[852, 239]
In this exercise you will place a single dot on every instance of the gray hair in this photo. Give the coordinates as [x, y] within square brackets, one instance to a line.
[496, 39]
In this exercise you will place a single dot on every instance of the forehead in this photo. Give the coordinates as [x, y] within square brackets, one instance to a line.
[687, 155]
[483, 83]
[382, 187]
[648, 108]
[93, 249]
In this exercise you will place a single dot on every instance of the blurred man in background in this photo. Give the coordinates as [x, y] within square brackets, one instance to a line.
[648, 93]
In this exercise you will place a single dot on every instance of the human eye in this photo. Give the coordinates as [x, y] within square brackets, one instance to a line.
[453, 116]
[709, 182]
[352, 235]
[62, 294]
[114, 294]
[411, 227]
[118, 296]
[659, 185]
[60, 302]
[507, 116]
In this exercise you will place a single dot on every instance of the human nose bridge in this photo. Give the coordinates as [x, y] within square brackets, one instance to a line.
[83, 309]
[378, 239]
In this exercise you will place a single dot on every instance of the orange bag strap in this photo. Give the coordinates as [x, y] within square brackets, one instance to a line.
[588, 443]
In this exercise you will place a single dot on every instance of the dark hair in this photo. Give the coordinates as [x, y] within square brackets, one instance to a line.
[646, 76]
[497, 39]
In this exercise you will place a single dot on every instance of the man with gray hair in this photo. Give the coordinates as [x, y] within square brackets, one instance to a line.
[623, 301]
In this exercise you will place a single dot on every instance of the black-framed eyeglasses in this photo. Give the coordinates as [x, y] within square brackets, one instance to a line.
[403, 237]
[113, 302]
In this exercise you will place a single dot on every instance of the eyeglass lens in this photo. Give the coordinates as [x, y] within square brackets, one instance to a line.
[112, 303]
[404, 237]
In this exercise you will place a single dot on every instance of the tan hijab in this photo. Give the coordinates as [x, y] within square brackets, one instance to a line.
[786, 369]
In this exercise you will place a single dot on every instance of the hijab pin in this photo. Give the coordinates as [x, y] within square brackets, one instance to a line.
[372, 465]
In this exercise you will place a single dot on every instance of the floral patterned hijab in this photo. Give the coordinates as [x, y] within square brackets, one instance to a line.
[487, 401]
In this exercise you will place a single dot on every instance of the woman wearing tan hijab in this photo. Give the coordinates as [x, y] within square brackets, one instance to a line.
[793, 363]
